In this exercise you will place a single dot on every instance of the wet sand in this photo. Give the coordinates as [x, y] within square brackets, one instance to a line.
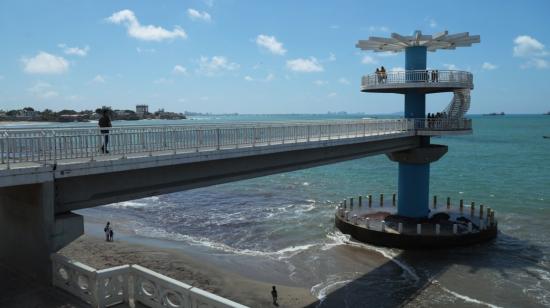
[98, 253]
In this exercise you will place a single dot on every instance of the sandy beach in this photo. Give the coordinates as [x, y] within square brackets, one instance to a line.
[98, 253]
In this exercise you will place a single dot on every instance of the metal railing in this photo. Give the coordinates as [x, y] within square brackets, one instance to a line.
[129, 283]
[428, 77]
[47, 146]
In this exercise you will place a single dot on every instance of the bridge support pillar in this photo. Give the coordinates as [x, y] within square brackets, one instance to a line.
[414, 178]
[30, 230]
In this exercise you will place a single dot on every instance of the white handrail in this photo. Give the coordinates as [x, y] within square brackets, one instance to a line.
[51, 145]
[126, 283]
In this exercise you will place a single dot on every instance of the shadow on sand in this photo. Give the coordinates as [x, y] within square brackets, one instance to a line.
[403, 280]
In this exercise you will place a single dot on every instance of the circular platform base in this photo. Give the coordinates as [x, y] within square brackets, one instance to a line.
[441, 230]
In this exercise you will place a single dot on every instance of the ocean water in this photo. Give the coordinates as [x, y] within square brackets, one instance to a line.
[280, 228]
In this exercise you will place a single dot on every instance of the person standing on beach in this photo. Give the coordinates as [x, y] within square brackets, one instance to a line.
[274, 296]
[107, 231]
[105, 121]
[111, 234]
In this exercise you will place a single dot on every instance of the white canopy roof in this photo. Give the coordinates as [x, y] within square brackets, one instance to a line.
[398, 42]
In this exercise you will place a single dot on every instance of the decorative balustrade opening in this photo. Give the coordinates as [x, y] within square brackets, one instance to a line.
[130, 284]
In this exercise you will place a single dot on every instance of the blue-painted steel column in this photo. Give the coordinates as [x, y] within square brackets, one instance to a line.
[414, 179]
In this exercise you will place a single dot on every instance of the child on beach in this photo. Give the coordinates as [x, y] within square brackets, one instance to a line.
[107, 230]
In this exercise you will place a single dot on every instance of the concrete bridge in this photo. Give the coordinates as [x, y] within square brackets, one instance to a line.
[45, 174]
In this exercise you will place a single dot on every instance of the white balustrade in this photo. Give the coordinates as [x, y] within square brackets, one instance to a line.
[130, 283]
[423, 78]
[48, 146]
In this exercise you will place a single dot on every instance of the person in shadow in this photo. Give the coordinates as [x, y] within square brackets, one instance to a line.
[274, 296]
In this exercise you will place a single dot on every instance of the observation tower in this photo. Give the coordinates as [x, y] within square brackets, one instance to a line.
[411, 223]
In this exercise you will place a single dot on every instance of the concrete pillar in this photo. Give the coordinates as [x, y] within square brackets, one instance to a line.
[414, 179]
[30, 230]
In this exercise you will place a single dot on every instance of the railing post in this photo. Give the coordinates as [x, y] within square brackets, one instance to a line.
[217, 138]
[174, 140]
[308, 133]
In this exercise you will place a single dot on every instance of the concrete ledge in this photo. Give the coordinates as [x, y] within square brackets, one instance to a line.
[407, 241]
[424, 155]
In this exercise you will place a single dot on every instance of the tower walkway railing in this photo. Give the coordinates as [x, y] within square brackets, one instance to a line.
[48, 146]
[418, 78]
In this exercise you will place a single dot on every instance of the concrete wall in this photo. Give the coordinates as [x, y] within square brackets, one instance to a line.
[30, 231]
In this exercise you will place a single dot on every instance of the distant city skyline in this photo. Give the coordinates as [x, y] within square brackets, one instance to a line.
[257, 57]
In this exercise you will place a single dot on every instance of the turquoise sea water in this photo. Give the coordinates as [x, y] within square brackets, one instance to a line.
[279, 228]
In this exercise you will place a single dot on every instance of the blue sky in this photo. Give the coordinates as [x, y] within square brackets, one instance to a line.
[259, 56]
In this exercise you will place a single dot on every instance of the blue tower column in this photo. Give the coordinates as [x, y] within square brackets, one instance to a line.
[414, 178]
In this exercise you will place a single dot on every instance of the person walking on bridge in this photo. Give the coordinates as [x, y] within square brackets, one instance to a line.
[105, 121]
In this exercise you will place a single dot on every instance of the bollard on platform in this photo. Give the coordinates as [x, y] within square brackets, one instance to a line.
[367, 223]
[437, 229]
[472, 208]
[435, 202]
[360, 201]
[448, 203]
[455, 228]
[480, 211]
[393, 199]
[400, 227]
[461, 206]
[370, 200]
[351, 203]
[354, 219]
[418, 229]
[383, 226]
[345, 203]
[381, 200]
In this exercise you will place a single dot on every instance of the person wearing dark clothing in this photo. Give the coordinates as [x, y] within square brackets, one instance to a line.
[107, 231]
[383, 73]
[110, 234]
[105, 121]
[274, 296]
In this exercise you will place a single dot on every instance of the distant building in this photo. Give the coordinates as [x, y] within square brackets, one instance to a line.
[142, 109]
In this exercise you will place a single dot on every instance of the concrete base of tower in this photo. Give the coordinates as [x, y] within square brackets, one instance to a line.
[399, 232]
[423, 155]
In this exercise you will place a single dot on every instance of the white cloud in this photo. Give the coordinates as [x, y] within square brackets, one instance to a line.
[163, 81]
[379, 29]
[145, 50]
[531, 49]
[488, 66]
[216, 65]
[200, 16]
[369, 60]
[432, 23]
[145, 33]
[271, 44]
[526, 46]
[451, 67]
[536, 63]
[42, 90]
[248, 78]
[269, 77]
[397, 69]
[320, 82]
[98, 79]
[332, 94]
[45, 63]
[343, 80]
[331, 57]
[77, 51]
[304, 65]
[178, 69]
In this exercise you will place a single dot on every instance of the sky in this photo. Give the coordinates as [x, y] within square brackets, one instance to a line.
[225, 56]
